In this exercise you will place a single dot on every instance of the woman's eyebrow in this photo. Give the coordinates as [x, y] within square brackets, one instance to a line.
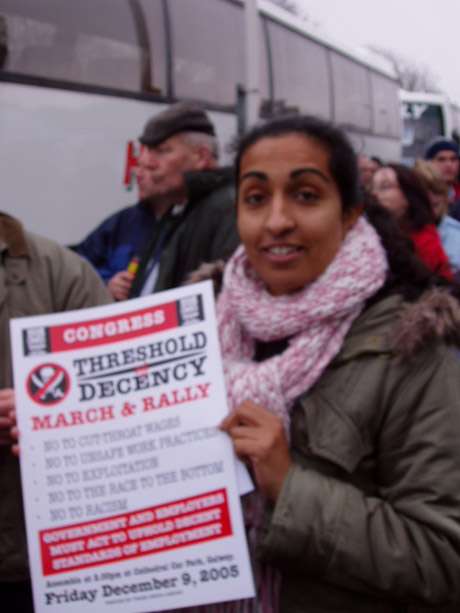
[308, 169]
[256, 174]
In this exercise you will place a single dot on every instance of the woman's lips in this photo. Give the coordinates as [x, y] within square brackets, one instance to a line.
[281, 253]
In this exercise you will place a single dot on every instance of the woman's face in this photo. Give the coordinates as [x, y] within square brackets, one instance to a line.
[385, 188]
[290, 215]
[439, 204]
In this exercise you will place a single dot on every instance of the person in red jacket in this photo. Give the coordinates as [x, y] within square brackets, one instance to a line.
[399, 189]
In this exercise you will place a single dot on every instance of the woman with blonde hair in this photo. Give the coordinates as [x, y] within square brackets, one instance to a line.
[448, 228]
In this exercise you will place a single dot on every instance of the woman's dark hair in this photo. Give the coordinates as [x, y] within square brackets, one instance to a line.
[419, 212]
[377, 160]
[342, 159]
[408, 275]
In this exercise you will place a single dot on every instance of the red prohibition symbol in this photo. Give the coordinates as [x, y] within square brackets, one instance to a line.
[48, 384]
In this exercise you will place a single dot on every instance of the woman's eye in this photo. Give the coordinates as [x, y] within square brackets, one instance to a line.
[254, 198]
[306, 195]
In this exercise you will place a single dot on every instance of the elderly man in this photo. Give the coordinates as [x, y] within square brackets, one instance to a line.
[37, 276]
[200, 225]
[178, 140]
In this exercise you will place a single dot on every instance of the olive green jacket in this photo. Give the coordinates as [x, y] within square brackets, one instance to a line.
[37, 276]
[369, 516]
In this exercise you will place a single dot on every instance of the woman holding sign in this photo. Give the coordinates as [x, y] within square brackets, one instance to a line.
[344, 385]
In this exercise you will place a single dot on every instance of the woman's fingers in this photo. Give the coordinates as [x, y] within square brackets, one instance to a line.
[7, 417]
[14, 436]
[259, 437]
[248, 413]
[6, 401]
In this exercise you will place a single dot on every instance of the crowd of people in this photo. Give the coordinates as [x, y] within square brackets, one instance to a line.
[338, 317]
[424, 199]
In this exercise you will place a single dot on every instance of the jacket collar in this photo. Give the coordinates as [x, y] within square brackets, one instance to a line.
[200, 183]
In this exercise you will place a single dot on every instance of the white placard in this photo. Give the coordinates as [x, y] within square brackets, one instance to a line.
[130, 493]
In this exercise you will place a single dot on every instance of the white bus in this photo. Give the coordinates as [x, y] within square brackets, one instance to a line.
[426, 116]
[79, 79]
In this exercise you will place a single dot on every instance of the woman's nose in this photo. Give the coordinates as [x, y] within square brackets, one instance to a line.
[280, 217]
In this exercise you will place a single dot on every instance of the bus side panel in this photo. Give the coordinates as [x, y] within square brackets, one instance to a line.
[387, 149]
[64, 156]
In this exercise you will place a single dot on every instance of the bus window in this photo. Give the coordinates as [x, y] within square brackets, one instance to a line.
[208, 49]
[74, 41]
[387, 117]
[421, 123]
[3, 42]
[352, 101]
[455, 111]
[300, 71]
[153, 22]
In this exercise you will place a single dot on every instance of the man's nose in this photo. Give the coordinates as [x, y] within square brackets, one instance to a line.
[147, 163]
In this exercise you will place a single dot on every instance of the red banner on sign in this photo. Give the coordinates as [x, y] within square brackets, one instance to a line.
[115, 328]
[181, 523]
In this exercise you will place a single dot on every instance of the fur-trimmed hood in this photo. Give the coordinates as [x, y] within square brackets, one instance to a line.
[208, 271]
[434, 316]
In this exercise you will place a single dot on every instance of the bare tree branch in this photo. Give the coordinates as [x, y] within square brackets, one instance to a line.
[411, 75]
[292, 6]
[288, 5]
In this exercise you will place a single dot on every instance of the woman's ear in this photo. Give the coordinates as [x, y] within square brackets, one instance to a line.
[351, 216]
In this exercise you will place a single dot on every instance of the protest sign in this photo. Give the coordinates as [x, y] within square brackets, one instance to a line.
[130, 492]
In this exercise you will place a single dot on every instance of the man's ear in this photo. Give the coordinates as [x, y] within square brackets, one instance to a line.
[204, 158]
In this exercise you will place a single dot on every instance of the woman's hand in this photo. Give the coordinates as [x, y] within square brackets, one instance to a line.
[6, 422]
[258, 436]
[8, 430]
[14, 433]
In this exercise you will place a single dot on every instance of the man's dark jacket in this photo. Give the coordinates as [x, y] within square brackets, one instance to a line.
[204, 231]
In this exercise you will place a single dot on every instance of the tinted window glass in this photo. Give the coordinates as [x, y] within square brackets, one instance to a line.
[208, 47]
[352, 101]
[456, 119]
[300, 71]
[422, 122]
[74, 41]
[387, 114]
[154, 24]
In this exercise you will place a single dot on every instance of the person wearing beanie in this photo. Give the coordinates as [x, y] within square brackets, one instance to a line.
[177, 140]
[443, 154]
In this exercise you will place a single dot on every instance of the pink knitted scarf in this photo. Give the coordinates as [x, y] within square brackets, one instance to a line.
[315, 320]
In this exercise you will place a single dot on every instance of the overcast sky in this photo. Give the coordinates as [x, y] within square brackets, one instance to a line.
[427, 31]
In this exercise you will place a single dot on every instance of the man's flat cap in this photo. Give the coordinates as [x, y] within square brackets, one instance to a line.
[181, 117]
